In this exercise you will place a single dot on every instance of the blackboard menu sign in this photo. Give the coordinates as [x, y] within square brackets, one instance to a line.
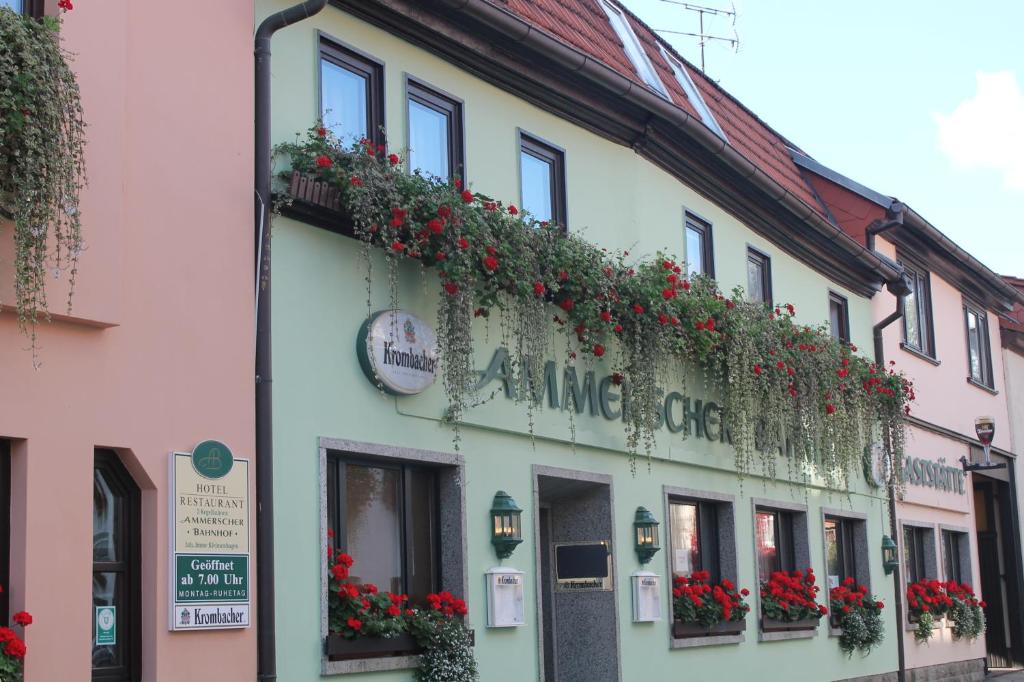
[582, 566]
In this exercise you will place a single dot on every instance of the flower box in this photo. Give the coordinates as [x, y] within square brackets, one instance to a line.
[772, 625]
[687, 630]
[339, 648]
[317, 203]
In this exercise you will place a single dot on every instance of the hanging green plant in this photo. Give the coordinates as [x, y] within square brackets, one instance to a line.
[787, 388]
[42, 155]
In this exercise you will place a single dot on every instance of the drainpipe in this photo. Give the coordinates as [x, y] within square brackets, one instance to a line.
[266, 634]
[900, 288]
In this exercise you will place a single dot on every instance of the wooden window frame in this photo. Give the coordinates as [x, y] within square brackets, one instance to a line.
[987, 379]
[537, 148]
[922, 310]
[844, 316]
[784, 527]
[694, 222]
[845, 547]
[451, 108]
[765, 261]
[372, 70]
[130, 545]
[914, 553]
[709, 550]
[952, 567]
[336, 517]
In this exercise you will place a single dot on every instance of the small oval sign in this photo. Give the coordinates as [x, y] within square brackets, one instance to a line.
[398, 351]
[212, 459]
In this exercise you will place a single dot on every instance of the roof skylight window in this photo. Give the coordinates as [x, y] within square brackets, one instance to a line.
[692, 94]
[634, 50]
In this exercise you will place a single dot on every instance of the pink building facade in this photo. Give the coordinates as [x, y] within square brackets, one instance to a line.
[156, 355]
[952, 523]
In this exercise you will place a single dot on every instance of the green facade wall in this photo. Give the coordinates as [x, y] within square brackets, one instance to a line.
[320, 301]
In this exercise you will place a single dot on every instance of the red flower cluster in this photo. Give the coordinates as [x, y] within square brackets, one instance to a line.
[695, 600]
[65, 5]
[447, 604]
[928, 596]
[791, 596]
[849, 596]
[12, 646]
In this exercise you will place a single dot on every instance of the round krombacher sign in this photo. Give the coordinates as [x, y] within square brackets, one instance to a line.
[212, 459]
[398, 352]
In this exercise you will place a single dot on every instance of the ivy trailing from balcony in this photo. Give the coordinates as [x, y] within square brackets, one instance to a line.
[42, 149]
[787, 388]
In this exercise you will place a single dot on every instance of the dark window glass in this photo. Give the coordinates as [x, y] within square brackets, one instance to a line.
[839, 317]
[386, 517]
[913, 553]
[435, 133]
[774, 534]
[542, 180]
[693, 529]
[351, 94]
[951, 549]
[979, 355]
[116, 568]
[5, 530]
[759, 276]
[699, 250]
[917, 319]
[839, 550]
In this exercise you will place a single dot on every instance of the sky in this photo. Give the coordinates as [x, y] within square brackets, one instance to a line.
[921, 100]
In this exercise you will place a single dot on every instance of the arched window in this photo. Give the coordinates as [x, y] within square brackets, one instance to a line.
[116, 597]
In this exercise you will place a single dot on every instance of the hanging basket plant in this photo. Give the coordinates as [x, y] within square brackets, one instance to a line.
[42, 150]
[787, 388]
[858, 615]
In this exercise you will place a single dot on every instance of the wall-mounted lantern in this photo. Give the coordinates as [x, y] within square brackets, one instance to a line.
[508, 531]
[646, 527]
[889, 553]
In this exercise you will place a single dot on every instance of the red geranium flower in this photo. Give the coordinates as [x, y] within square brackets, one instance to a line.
[538, 289]
[467, 196]
[323, 161]
[598, 350]
[491, 263]
[22, 618]
[393, 159]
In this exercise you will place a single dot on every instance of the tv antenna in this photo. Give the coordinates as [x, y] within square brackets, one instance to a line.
[702, 37]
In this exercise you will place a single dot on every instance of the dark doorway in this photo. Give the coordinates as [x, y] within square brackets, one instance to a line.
[999, 564]
[579, 641]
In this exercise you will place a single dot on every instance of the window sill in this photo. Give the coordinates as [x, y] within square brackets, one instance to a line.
[714, 640]
[919, 354]
[368, 665]
[978, 384]
[369, 654]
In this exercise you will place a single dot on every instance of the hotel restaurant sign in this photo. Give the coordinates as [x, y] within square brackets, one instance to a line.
[209, 539]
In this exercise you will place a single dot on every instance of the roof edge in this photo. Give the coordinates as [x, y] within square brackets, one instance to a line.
[807, 163]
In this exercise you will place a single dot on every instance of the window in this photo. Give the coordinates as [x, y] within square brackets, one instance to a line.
[16, 5]
[774, 542]
[5, 529]
[351, 94]
[918, 553]
[839, 317]
[542, 180]
[839, 553]
[634, 50]
[693, 535]
[386, 516]
[917, 319]
[435, 132]
[699, 254]
[759, 276]
[956, 556]
[116, 568]
[692, 93]
[979, 353]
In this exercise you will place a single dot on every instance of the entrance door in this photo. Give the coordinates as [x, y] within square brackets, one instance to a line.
[578, 616]
[999, 564]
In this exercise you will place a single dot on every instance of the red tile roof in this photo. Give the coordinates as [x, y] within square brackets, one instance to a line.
[582, 24]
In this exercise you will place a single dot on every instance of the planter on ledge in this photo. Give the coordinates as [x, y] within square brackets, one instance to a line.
[772, 625]
[317, 203]
[682, 630]
[340, 649]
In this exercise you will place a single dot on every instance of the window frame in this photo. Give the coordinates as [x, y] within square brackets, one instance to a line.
[921, 280]
[921, 551]
[987, 378]
[33, 8]
[451, 107]
[634, 49]
[555, 156]
[963, 570]
[784, 532]
[5, 529]
[358, 62]
[708, 524]
[692, 93]
[707, 256]
[755, 255]
[845, 550]
[844, 316]
[130, 627]
[336, 462]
